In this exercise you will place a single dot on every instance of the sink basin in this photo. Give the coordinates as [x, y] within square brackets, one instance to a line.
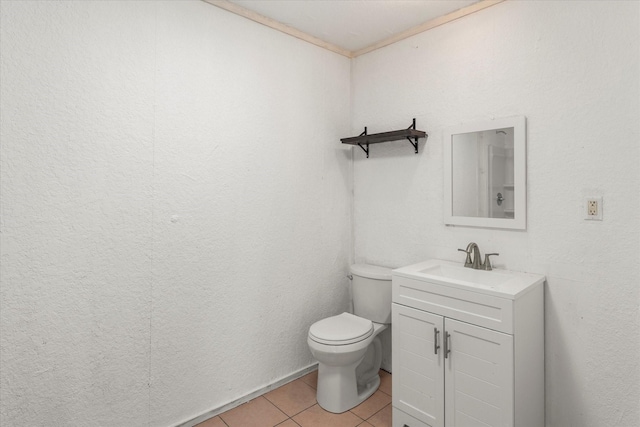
[503, 283]
[462, 274]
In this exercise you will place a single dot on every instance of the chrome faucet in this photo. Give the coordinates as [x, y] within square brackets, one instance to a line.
[475, 263]
[472, 248]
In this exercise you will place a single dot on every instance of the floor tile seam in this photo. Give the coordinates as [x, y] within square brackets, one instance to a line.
[372, 415]
[288, 419]
[274, 405]
[306, 409]
[280, 410]
[220, 416]
[314, 404]
[213, 418]
[297, 413]
[383, 408]
[351, 412]
[310, 385]
[382, 391]
[299, 380]
[360, 418]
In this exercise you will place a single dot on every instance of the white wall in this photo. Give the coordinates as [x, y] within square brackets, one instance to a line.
[175, 208]
[572, 68]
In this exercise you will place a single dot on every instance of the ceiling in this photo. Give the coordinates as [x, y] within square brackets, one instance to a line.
[351, 25]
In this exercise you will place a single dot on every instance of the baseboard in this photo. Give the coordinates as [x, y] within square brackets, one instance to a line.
[258, 392]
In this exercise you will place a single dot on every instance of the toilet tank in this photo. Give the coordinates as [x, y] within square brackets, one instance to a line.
[371, 288]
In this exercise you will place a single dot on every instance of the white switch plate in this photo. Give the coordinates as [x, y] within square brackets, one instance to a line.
[593, 208]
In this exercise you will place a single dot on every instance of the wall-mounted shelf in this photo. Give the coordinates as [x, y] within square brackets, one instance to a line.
[363, 140]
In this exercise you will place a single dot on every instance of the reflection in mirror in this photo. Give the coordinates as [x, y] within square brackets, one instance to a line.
[485, 174]
[482, 173]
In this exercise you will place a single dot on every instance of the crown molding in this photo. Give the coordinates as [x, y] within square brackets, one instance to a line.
[279, 26]
[433, 23]
[276, 25]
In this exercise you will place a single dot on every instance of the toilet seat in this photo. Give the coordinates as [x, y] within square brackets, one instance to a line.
[342, 329]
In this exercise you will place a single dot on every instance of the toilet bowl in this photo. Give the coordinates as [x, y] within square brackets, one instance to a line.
[347, 346]
[342, 382]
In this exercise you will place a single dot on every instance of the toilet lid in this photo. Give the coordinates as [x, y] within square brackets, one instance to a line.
[342, 329]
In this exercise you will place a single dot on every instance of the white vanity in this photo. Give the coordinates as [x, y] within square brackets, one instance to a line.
[468, 347]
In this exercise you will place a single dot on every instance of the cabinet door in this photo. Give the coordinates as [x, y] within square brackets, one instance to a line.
[418, 371]
[478, 376]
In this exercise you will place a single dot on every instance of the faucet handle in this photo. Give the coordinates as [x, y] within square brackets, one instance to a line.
[487, 263]
[467, 262]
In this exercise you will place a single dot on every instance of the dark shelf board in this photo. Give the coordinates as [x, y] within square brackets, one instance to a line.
[376, 138]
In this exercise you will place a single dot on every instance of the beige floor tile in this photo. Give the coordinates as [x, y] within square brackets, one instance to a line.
[318, 417]
[297, 399]
[257, 413]
[385, 382]
[382, 418]
[311, 378]
[373, 404]
[212, 422]
[293, 398]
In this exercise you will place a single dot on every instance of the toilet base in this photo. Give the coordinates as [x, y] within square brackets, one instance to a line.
[341, 388]
[369, 389]
[338, 392]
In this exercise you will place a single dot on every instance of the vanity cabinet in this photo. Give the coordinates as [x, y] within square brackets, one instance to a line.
[467, 352]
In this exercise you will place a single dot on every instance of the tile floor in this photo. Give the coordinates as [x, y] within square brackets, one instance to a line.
[294, 405]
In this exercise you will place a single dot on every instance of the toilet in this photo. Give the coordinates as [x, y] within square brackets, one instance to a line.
[347, 346]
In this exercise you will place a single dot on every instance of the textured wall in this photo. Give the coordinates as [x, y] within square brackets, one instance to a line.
[252, 209]
[572, 68]
[175, 209]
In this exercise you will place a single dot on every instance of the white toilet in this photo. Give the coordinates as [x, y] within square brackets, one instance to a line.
[347, 346]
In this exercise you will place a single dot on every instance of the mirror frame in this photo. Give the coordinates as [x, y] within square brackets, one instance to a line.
[519, 221]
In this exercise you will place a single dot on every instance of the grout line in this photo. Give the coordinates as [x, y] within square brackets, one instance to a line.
[272, 404]
[288, 419]
[357, 416]
[315, 403]
[376, 413]
[299, 412]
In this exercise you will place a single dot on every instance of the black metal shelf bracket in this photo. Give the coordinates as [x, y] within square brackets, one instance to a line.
[415, 145]
[366, 150]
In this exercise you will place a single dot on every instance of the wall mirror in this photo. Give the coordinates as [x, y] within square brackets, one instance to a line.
[485, 174]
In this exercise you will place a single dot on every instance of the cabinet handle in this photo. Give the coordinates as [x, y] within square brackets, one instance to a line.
[435, 340]
[447, 348]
